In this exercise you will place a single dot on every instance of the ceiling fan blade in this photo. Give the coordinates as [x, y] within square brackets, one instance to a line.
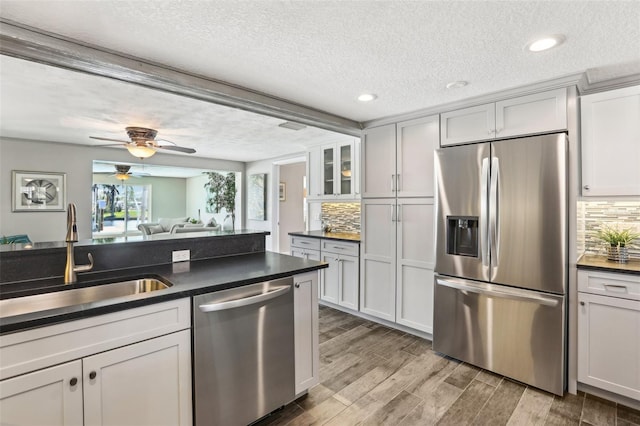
[176, 148]
[108, 139]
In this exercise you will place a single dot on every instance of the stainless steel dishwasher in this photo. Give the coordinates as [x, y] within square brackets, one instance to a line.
[243, 353]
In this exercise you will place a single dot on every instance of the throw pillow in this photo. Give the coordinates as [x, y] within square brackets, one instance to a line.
[155, 229]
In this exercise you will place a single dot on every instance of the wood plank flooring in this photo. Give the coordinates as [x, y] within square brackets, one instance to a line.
[374, 375]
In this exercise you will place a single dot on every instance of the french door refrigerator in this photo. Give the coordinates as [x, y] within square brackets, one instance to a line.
[501, 257]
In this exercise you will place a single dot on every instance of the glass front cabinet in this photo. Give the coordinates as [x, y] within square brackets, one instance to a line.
[335, 170]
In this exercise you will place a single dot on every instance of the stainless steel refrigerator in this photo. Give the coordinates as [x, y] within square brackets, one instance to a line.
[501, 257]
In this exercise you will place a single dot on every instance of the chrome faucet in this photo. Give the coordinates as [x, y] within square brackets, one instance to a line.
[70, 268]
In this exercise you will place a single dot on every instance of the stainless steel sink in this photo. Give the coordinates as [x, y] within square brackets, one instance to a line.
[64, 298]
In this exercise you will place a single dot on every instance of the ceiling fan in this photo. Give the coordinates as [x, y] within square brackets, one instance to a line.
[143, 143]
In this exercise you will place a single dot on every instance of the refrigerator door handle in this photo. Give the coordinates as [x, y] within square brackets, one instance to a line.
[484, 212]
[510, 293]
[494, 212]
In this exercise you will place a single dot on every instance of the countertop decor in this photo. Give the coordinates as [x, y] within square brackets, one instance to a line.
[343, 236]
[603, 264]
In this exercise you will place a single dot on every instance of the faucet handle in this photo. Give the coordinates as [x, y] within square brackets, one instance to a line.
[84, 268]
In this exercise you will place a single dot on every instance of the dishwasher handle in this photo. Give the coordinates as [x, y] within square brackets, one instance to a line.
[230, 304]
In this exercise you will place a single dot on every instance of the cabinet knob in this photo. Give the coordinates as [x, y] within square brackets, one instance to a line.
[92, 375]
[581, 303]
[296, 285]
[490, 131]
[73, 381]
[586, 187]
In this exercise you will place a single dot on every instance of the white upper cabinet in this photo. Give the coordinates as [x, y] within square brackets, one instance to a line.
[611, 143]
[332, 171]
[468, 125]
[537, 113]
[398, 159]
[524, 115]
[379, 162]
[416, 143]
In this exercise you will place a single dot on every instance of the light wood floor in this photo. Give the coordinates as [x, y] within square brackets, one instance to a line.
[374, 375]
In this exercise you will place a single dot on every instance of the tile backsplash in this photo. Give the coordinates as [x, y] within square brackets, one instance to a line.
[592, 215]
[343, 217]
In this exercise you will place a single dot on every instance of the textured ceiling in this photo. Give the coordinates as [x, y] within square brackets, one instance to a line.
[324, 53]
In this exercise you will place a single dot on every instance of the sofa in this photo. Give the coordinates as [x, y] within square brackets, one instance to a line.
[176, 226]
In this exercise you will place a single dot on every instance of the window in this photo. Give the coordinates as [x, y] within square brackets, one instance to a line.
[119, 209]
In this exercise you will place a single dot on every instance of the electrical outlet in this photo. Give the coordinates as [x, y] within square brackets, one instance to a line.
[180, 255]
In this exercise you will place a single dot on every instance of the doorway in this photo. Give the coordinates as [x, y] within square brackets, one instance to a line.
[291, 198]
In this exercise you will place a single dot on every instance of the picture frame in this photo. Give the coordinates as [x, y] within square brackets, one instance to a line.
[257, 197]
[282, 191]
[38, 191]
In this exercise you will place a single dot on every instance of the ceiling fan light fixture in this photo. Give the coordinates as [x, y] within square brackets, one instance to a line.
[140, 151]
[122, 176]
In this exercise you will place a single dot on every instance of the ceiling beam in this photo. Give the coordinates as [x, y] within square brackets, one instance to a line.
[31, 44]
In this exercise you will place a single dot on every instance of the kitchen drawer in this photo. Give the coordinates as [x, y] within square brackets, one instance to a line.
[624, 286]
[339, 247]
[41, 347]
[305, 242]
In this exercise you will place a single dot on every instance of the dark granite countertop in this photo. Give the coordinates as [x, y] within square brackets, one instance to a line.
[188, 279]
[341, 236]
[601, 263]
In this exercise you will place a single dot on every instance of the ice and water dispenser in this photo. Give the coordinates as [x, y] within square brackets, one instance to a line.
[462, 235]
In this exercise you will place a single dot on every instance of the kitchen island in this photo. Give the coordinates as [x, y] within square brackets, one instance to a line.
[90, 362]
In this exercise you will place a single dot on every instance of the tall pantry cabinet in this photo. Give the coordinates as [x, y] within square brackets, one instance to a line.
[397, 240]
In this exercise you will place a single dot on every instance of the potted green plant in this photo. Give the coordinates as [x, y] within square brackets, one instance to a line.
[618, 242]
[222, 194]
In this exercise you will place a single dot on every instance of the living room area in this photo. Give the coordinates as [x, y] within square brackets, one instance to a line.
[142, 199]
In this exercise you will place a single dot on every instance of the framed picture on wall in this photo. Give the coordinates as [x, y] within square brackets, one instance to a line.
[257, 196]
[282, 191]
[38, 191]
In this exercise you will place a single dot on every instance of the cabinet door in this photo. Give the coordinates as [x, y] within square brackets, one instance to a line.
[416, 143]
[44, 397]
[415, 263]
[378, 257]
[344, 172]
[357, 169]
[467, 125]
[611, 143]
[609, 344]
[147, 383]
[305, 308]
[314, 178]
[328, 171]
[537, 113]
[349, 281]
[330, 278]
[379, 162]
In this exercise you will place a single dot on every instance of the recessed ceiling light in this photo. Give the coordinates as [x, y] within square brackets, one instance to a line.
[367, 97]
[457, 84]
[545, 43]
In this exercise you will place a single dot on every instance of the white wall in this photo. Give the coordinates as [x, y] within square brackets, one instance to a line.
[77, 162]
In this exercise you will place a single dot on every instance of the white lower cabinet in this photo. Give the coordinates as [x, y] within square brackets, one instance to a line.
[147, 383]
[340, 281]
[52, 396]
[609, 332]
[96, 380]
[307, 362]
[397, 261]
